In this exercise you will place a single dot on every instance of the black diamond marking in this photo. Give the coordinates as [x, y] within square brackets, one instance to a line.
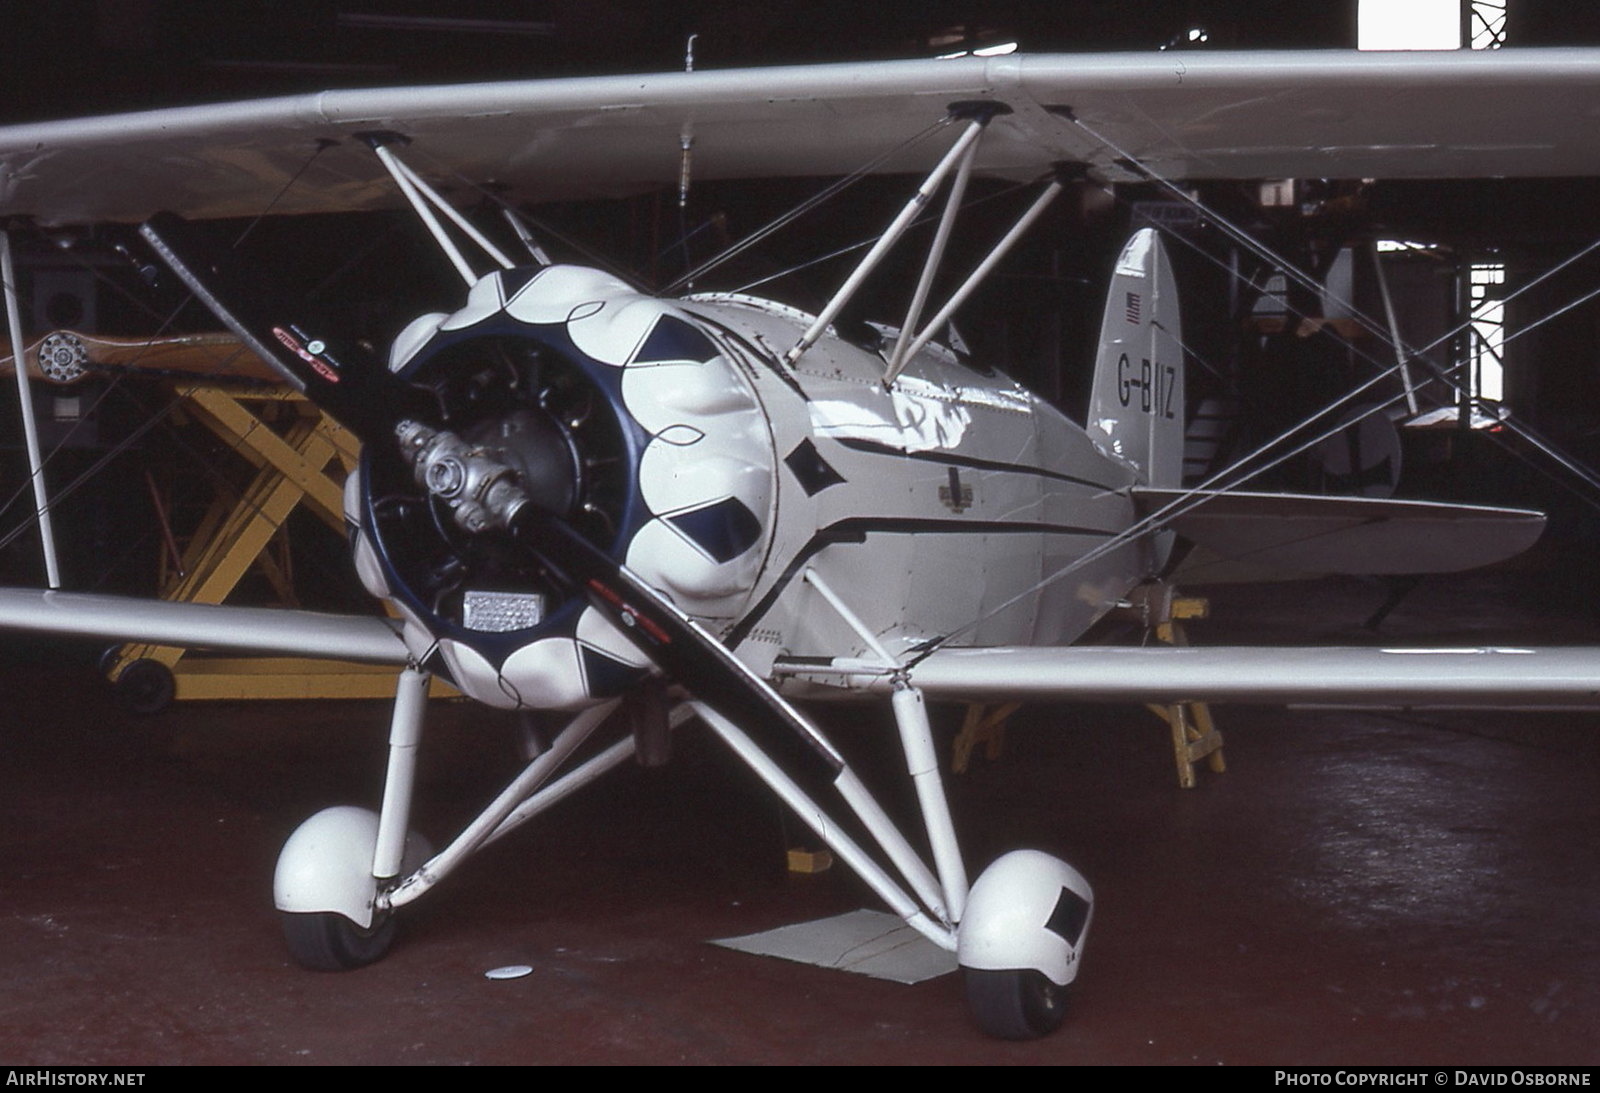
[603, 674]
[672, 339]
[724, 529]
[513, 281]
[809, 469]
[1069, 918]
[435, 663]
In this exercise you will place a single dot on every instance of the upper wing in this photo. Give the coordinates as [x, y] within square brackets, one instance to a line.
[1189, 115]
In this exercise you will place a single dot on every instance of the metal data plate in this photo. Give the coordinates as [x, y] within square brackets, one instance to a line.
[502, 612]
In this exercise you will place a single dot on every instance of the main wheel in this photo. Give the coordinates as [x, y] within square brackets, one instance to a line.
[325, 941]
[1014, 1005]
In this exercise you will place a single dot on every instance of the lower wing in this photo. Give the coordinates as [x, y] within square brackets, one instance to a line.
[203, 626]
[1502, 677]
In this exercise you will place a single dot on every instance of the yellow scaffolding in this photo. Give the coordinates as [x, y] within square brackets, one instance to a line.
[300, 457]
[1194, 734]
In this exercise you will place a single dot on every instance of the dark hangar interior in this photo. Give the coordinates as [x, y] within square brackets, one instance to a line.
[1391, 888]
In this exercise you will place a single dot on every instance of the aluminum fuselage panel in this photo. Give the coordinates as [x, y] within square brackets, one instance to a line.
[948, 503]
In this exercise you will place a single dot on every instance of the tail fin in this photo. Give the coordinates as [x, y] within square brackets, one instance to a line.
[1136, 410]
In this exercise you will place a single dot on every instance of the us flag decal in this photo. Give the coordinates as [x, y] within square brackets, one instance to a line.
[1133, 307]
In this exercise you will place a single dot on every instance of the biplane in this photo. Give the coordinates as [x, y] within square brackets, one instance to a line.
[634, 509]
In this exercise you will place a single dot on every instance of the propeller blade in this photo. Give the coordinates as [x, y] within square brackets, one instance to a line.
[350, 383]
[343, 378]
[685, 650]
[483, 495]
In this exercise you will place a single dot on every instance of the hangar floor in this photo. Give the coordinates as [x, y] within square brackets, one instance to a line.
[1358, 888]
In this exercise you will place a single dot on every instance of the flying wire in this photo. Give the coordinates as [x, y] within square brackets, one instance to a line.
[1240, 470]
[154, 417]
[1503, 415]
[322, 145]
[920, 222]
[834, 188]
[1264, 252]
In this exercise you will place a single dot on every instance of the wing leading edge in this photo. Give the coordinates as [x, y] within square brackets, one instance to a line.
[203, 626]
[1440, 678]
[1322, 114]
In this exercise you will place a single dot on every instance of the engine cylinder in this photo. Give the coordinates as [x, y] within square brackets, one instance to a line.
[621, 417]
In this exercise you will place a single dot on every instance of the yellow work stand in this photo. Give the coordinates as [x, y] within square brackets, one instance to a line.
[983, 724]
[1194, 734]
[301, 458]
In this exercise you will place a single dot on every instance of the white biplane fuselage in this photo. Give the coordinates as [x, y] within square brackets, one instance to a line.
[568, 487]
[740, 486]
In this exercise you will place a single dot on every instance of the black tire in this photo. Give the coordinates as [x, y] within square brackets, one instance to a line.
[328, 942]
[109, 656]
[146, 687]
[1014, 1005]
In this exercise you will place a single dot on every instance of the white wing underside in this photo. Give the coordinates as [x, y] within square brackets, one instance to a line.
[203, 626]
[1564, 677]
[1275, 675]
[1194, 115]
[1275, 536]
[1268, 114]
[1478, 677]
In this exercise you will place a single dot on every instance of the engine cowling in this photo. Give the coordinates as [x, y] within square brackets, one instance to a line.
[622, 417]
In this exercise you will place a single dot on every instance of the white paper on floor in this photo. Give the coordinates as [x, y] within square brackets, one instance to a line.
[866, 942]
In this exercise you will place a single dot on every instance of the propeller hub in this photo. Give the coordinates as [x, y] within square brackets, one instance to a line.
[560, 416]
[480, 492]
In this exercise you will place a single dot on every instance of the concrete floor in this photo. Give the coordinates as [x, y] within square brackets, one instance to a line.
[1358, 888]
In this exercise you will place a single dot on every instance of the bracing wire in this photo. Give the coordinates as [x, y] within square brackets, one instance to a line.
[155, 417]
[834, 188]
[1258, 248]
[1241, 469]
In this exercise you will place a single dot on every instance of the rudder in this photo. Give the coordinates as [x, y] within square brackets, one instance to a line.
[1136, 406]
